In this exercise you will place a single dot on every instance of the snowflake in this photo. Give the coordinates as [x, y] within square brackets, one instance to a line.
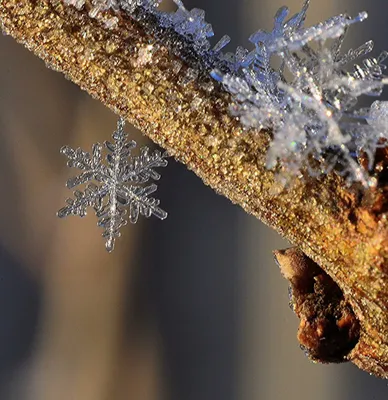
[119, 184]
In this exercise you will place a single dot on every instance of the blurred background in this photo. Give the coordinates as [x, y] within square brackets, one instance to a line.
[192, 308]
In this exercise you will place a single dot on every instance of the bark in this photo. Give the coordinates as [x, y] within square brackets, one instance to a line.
[141, 72]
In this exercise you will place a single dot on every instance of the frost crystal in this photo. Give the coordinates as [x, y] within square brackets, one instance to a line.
[310, 103]
[119, 184]
[191, 24]
[76, 3]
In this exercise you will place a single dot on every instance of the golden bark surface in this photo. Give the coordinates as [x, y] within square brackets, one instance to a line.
[128, 69]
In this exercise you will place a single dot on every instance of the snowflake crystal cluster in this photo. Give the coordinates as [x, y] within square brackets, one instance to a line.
[310, 102]
[119, 184]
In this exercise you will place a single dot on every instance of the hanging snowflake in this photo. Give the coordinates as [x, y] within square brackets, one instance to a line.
[120, 184]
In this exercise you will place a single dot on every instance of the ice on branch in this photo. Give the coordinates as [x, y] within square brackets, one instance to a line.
[114, 186]
[311, 102]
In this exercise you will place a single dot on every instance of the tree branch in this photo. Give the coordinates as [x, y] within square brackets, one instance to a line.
[155, 79]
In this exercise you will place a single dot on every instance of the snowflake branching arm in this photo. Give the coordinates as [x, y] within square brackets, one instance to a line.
[119, 184]
[143, 65]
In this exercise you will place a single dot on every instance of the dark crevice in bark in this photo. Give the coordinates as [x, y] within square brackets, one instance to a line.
[328, 328]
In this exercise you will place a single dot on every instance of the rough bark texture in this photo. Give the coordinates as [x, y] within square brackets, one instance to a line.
[137, 75]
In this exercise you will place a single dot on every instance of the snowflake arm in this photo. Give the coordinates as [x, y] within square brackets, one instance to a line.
[140, 170]
[89, 198]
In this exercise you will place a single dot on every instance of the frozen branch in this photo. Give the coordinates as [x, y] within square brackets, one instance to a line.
[131, 67]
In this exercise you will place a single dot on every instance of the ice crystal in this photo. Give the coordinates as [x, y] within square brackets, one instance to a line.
[188, 23]
[310, 102]
[120, 183]
[76, 3]
[191, 24]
